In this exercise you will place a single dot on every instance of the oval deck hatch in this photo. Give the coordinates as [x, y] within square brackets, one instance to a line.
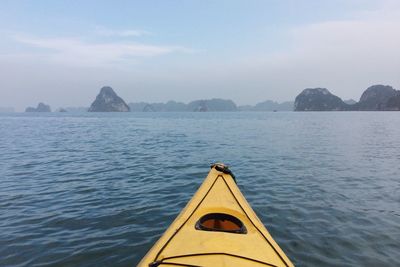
[221, 222]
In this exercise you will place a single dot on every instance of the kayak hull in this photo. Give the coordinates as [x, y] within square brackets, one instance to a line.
[216, 228]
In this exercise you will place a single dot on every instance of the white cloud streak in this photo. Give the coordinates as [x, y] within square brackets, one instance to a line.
[75, 51]
[102, 31]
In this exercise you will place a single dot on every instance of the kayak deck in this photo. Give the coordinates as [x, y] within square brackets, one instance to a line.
[216, 228]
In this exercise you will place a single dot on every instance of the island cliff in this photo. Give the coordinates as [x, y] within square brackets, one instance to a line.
[374, 98]
[318, 99]
[108, 101]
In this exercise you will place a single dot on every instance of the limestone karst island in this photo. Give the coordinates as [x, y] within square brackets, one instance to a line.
[374, 98]
[108, 101]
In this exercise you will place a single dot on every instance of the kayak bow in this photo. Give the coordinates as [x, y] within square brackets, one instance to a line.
[216, 228]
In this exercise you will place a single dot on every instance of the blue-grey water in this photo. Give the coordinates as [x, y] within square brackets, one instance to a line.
[99, 189]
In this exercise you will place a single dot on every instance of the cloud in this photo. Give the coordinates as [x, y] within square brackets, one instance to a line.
[344, 55]
[102, 31]
[348, 39]
[370, 35]
[76, 51]
[365, 47]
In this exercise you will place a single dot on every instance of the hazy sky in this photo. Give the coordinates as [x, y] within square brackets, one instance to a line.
[63, 52]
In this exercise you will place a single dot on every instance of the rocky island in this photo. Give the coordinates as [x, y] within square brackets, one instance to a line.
[205, 105]
[269, 105]
[377, 97]
[374, 98]
[214, 104]
[108, 101]
[318, 99]
[41, 107]
[170, 106]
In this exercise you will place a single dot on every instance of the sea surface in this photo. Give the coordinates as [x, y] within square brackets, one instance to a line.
[98, 189]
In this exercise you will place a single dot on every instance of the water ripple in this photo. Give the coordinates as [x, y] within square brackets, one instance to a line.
[99, 189]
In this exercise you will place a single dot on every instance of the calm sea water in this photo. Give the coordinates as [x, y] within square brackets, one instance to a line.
[99, 189]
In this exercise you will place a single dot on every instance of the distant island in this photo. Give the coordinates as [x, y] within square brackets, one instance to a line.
[209, 105]
[269, 105]
[204, 105]
[108, 101]
[375, 98]
[41, 107]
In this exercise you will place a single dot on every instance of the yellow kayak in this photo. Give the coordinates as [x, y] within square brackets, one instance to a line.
[216, 228]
